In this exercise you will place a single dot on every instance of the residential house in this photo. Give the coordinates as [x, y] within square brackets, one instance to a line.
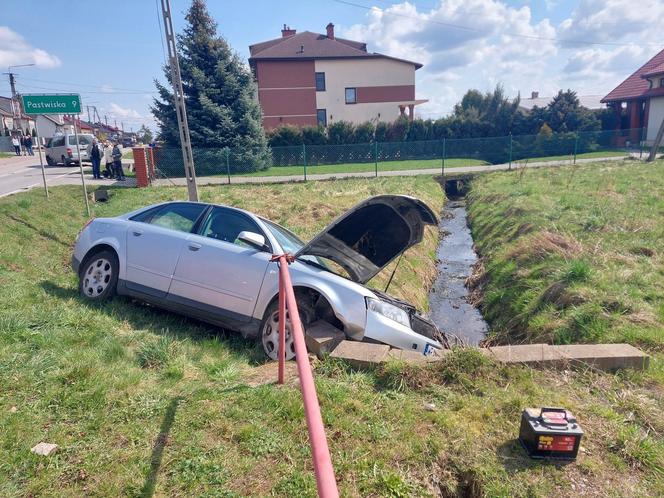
[310, 78]
[592, 102]
[638, 102]
[7, 111]
[49, 125]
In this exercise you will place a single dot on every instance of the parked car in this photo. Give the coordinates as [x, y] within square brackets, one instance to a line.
[214, 263]
[62, 149]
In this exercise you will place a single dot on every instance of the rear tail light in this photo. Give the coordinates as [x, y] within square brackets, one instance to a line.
[69, 152]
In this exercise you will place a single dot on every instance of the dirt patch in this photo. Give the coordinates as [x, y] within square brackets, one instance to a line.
[543, 245]
[557, 294]
[267, 373]
[643, 251]
[477, 282]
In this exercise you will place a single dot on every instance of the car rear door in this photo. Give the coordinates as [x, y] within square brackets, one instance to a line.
[155, 239]
[217, 273]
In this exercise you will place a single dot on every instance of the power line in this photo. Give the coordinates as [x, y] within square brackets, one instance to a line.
[479, 30]
[101, 87]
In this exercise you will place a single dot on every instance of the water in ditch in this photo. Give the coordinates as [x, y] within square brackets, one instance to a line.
[449, 304]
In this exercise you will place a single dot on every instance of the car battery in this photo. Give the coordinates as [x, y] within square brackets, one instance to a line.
[550, 433]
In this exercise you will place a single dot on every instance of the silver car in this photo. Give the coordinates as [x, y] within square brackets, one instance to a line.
[63, 149]
[212, 262]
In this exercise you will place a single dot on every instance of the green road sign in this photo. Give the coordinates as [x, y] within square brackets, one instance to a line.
[52, 104]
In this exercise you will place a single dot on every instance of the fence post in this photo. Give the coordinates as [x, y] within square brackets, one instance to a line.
[643, 139]
[304, 158]
[442, 166]
[576, 145]
[228, 164]
[376, 157]
[510, 166]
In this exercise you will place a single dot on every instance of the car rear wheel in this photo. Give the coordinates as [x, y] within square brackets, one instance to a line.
[270, 329]
[50, 161]
[99, 276]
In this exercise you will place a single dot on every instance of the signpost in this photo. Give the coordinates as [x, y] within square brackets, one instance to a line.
[57, 104]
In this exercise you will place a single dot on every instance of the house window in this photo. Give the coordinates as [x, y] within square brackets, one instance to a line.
[661, 82]
[321, 115]
[320, 82]
[351, 97]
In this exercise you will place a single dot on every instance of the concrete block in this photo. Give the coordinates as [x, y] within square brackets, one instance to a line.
[609, 357]
[361, 354]
[528, 354]
[321, 337]
[415, 357]
[44, 449]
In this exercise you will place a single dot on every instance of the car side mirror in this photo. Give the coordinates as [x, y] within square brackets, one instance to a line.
[255, 240]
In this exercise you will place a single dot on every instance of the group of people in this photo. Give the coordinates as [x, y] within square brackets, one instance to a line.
[112, 156]
[23, 143]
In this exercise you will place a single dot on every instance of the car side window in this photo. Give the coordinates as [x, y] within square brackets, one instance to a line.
[226, 224]
[180, 217]
[58, 142]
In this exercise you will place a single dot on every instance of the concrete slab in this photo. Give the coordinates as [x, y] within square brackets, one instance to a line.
[609, 357]
[361, 354]
[321, 337]
[528, 354]
[415, 357]
[44, 449]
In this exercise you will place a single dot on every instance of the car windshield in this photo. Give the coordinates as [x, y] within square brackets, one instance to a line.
[288, 241]
[85, 139]
[291, 244]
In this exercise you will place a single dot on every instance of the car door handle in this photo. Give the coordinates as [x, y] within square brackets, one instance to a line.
[137, 233]
[194, 247]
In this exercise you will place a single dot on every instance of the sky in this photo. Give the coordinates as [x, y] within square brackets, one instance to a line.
[111, 52]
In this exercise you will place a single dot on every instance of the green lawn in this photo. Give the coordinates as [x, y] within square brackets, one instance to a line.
[586, 155]
[6, 155]
[145, 402]
[414, 164]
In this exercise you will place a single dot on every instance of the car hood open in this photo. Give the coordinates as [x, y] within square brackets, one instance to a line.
[368, 236]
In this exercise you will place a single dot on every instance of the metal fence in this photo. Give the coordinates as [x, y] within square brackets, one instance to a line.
[375, 158]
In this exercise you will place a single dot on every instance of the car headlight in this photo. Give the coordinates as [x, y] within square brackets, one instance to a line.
[389, 311]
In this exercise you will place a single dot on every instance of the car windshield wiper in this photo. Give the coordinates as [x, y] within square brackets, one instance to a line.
[313, 263]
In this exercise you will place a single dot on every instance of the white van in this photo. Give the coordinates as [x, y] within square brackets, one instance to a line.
[62, 149]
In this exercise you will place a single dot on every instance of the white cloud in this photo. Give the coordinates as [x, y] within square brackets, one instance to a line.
[124, 112]
[14, 50]
[467, 44]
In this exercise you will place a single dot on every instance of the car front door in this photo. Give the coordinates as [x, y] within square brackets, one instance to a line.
[155, 239]
[216, 272]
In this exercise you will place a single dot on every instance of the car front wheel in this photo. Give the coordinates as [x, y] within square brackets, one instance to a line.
[270, 329]
[99, 276]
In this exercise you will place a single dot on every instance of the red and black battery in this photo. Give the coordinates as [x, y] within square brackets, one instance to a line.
[550, 433]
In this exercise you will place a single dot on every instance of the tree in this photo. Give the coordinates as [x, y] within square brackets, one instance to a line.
[564, 113]
[220, 94]
[144, 135]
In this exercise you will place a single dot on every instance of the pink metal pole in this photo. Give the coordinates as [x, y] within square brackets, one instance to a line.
[282, 331]
[325, 480]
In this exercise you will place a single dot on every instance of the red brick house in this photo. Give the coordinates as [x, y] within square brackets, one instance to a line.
[310, 78]
[638, 102]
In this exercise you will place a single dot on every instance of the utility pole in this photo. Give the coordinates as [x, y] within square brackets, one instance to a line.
[180, 109]
[106, 120]
[16, 105]
[88, 108]
[122, 126]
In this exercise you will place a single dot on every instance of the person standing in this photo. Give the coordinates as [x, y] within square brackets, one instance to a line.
[108, 160]
[117, 163]
[95, 158]
[28, 145]
[23, 145]
[17, 145]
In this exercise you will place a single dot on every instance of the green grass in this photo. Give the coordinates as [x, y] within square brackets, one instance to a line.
[6, 155]
[145, 402]
[573, 254]
[406, 165]
[585, 155]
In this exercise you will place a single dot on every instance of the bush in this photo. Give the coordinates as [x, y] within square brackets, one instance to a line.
[313, 135]
[285, 135]
[340, 133]
[364, 133]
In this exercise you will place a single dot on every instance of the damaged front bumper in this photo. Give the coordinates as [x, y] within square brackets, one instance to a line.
[420, 335]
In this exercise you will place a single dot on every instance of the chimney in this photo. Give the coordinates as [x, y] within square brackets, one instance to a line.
[287, 31]
[330, 31]
[534, 95]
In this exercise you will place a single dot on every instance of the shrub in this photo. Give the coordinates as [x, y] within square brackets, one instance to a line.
[340, 133]
[285, 135]
[313, 135]
[364, 133]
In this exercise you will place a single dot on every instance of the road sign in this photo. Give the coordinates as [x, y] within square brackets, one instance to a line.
[52, 104]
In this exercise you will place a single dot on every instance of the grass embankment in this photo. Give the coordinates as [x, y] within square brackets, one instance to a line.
[573, 254]
[142, 401]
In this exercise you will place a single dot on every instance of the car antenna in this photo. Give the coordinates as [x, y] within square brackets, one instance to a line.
[393, 272]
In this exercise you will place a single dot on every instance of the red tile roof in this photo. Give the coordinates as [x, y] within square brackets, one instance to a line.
[636, 85]
[308, 45]
[654, 71]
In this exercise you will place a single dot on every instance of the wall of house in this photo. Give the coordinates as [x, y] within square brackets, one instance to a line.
[655, 117]
[45, 127]
[380, 84]
[286, 92]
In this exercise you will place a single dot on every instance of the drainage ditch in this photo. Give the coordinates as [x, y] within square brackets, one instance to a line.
[449, 304]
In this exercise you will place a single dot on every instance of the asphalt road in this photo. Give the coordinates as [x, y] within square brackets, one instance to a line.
[21, 173]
